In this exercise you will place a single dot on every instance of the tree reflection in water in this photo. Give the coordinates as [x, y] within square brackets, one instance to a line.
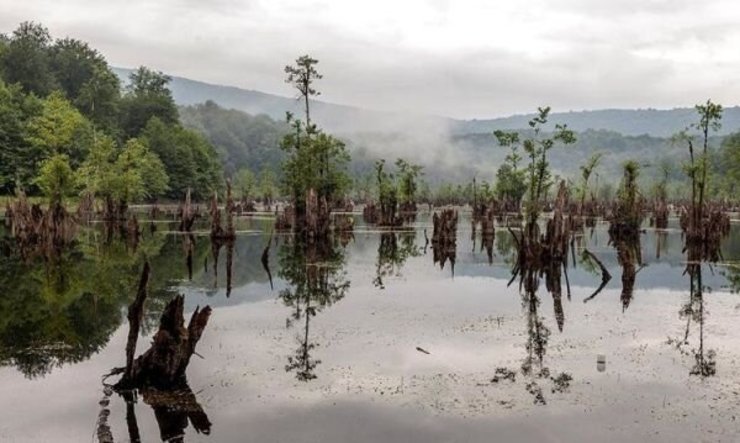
[173, 411]
[216, 245]
[392, 255]
[67, 304]
[693, 311]
[629, 256]
[316, 279]
[533, 367]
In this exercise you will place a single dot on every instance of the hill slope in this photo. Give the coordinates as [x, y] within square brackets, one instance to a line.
[346, 119]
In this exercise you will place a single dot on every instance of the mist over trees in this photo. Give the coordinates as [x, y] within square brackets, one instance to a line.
[60, 100]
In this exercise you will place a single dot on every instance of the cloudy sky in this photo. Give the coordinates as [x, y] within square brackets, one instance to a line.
[460, 58]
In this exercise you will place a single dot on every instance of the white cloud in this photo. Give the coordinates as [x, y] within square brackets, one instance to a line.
[461, 58]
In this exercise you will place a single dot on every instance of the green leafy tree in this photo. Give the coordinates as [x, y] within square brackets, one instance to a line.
[728, 166]
[301, 76]
[315, 160]
[123, 176]
[26, 59]
[147, 96]
[586, 171]
[145, 174]
[189, 160]
[267, 188]
[99, 99]
[56, 179]
[408, 177]
[59, 129]
[17, 162]
[710, 116]
[241, 140]
[510, 184]
[510, 179]
[536, 148]
[628, 196]
[246, 184]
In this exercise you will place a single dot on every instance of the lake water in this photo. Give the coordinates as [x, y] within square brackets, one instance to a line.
[369, 340]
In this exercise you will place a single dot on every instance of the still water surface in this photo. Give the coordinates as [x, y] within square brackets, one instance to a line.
[368, 339]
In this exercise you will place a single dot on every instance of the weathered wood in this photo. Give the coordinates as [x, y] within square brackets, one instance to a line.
[135, 316]
[163, 365]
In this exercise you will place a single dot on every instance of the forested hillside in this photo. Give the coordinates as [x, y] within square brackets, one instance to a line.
[241, 140]
[341, 118]
[67, 124]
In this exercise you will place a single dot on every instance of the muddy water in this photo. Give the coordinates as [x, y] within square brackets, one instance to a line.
[373, 341]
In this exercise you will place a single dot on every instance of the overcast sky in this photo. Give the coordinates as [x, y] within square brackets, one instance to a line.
[457, 58]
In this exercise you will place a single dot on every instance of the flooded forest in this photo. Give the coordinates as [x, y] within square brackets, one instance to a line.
[149, 291]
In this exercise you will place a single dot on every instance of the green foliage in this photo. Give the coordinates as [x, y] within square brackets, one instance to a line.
[387, 189]
[26, 59]
[697, 168]
[79, 112]
[17, 162]
[126, 175]
[56, 179]
[320, 163]
[302, 76]
[727, 166]
[245, 184]
[628, 196]
[510, 183]
[189, 160]
[145, 173]
[267, 185]
[408, 176]
[315, 159]
[147, 96]
[536, 148]
[59, 129]
[586, 171]
[241, 140]
[660, 187]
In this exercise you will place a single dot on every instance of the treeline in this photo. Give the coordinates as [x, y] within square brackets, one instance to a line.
[67, 126]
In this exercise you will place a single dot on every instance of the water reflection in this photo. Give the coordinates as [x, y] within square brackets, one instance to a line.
[67, 305]
[173, 410]
[314, 272]
[533, 367]
[216, 245]
[629, 256]
[392, 255]
[693, 311]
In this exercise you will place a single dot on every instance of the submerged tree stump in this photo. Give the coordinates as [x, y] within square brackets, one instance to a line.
[37, 230]
[163, 365]
[318, 216]
[186, 214]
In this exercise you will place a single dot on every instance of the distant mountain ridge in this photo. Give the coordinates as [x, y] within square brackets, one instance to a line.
[347, 119]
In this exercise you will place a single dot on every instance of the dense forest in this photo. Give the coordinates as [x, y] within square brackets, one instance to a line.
[65, 118]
